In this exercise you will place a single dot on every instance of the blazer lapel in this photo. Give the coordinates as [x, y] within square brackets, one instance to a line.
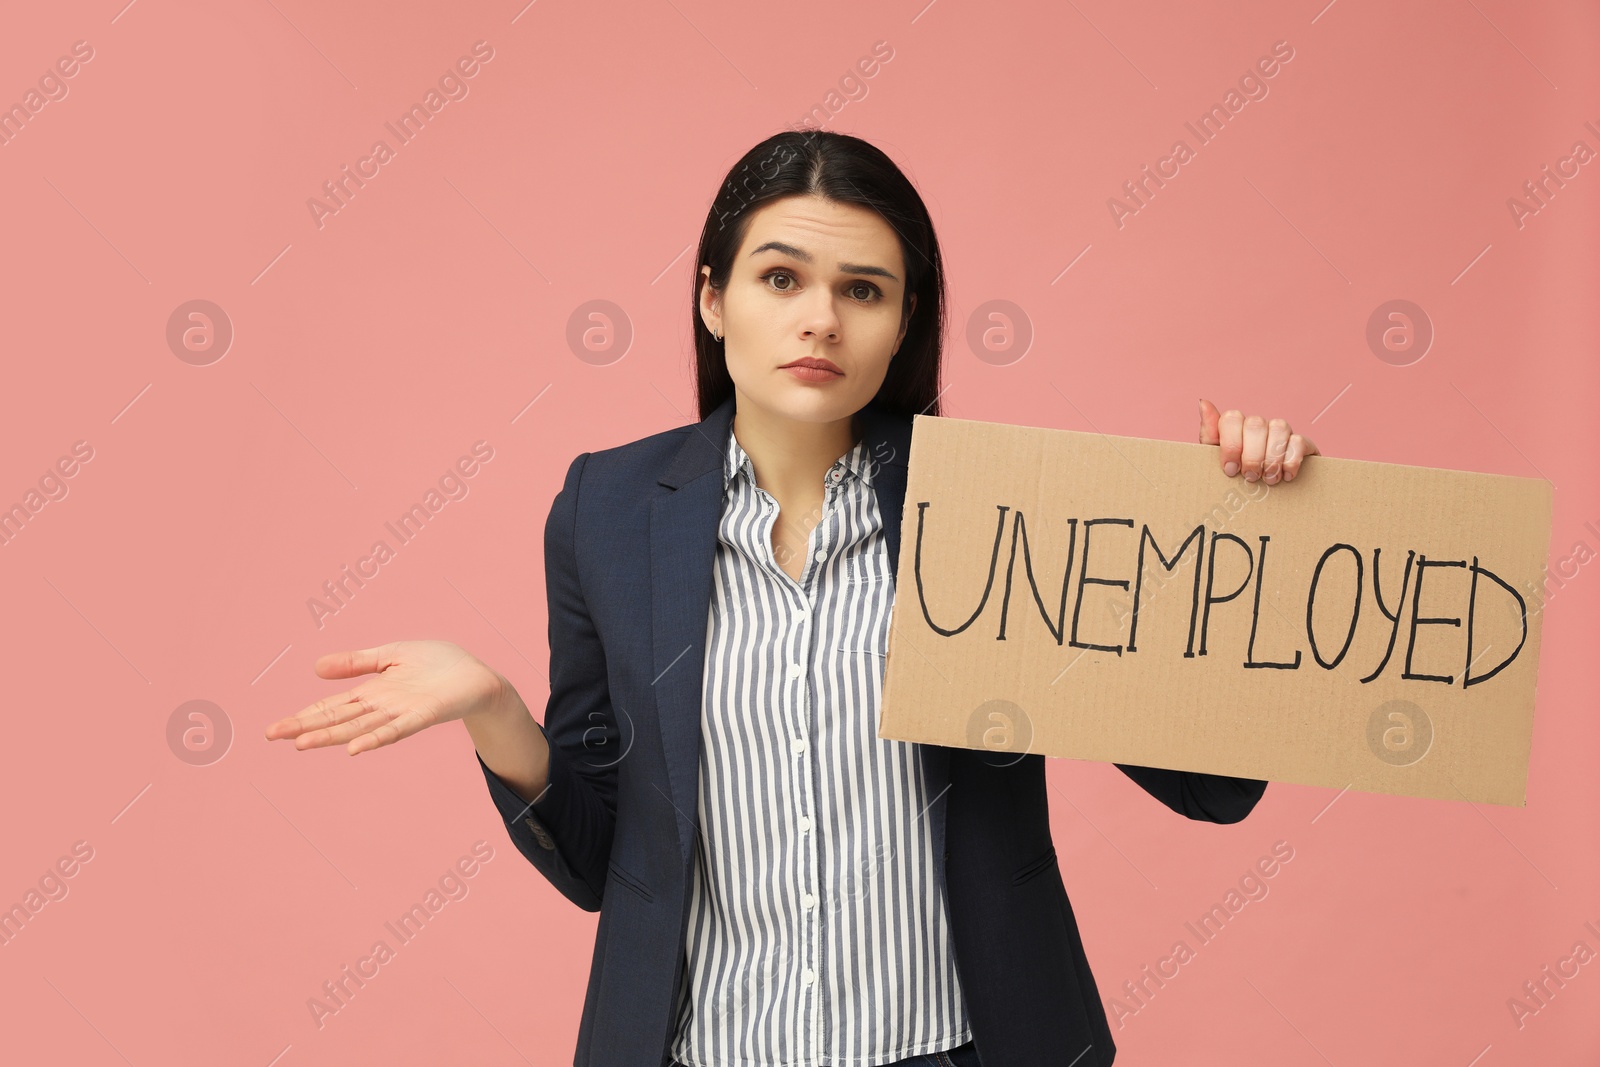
[683, 545]
[888, 436]
[683, 550]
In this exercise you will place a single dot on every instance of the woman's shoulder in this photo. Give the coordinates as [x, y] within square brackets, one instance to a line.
[644, 459]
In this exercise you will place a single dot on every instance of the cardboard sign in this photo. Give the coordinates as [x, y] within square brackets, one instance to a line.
[1366, 625]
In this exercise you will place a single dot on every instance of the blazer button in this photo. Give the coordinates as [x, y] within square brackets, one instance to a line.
[540, 835]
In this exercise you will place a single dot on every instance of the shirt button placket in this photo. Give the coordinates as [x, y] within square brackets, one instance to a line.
[799, 674]
[808, 770]
[808, 900]
[798, 746]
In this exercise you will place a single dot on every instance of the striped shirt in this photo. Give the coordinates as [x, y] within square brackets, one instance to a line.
[818, 935]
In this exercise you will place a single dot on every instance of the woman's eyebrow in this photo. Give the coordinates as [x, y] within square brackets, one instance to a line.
[805, 257]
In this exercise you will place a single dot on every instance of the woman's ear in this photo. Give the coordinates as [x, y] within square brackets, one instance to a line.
[710, 302]
[905, 324]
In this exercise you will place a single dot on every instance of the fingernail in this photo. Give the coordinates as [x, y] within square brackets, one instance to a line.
[1250, 476]
[1288, 476]
[1230, 468]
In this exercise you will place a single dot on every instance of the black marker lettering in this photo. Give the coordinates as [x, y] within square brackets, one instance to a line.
[1211, 571]
[1472, 601]
[1083, 569]
[1019, 526]
[1423, 563]
[1399, 605]
[1200, 550]
[1255, 616]
[994, 556]
[1355, 614]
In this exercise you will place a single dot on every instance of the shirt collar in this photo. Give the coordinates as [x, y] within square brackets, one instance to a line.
[853, 464]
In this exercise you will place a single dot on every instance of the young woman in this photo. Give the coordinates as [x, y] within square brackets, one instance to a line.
[777, 885]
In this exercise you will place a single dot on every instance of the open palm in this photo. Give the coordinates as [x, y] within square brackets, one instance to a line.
[416, 684]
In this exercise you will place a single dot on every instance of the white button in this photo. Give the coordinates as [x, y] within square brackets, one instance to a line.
[808, 977]
[798, 744]
[805, 823]
[821, 555]
[808, 900]
[795, 671]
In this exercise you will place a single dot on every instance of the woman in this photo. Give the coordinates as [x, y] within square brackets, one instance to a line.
[777, 885]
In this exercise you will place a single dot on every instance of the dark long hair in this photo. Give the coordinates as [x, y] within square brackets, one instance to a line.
[847, 170]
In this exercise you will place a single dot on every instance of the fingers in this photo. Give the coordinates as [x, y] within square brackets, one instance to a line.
[1277, 445]
[350, 664]
[325, 713]
[340, 706]
[353, 720]
[1254, 449]
[383, 733]
[1300, 447]
[373, 728]
[1208, 422]
[1261, 450]
[1230, 436]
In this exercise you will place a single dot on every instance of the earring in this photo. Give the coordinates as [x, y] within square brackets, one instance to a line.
[717, 335]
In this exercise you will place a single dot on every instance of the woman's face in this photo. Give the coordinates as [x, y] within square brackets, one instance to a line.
[816, 279]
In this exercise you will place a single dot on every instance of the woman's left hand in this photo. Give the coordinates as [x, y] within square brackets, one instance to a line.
[1264, 449]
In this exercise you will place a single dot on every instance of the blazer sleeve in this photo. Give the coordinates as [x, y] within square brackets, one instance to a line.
[567, 831]
[1194, 795]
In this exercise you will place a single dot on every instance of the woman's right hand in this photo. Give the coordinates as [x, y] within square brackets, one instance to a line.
[415, 684]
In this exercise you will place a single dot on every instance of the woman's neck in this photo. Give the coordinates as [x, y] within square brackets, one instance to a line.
[790, 457]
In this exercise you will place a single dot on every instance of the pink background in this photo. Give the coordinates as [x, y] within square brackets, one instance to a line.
[432, 312]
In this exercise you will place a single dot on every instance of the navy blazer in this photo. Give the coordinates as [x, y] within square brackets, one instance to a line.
[629, 548]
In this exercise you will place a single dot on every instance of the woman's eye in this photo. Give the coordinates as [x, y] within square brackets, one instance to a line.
[860, 290]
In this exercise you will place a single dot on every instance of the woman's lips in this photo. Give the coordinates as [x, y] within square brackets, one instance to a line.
[812, 374]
